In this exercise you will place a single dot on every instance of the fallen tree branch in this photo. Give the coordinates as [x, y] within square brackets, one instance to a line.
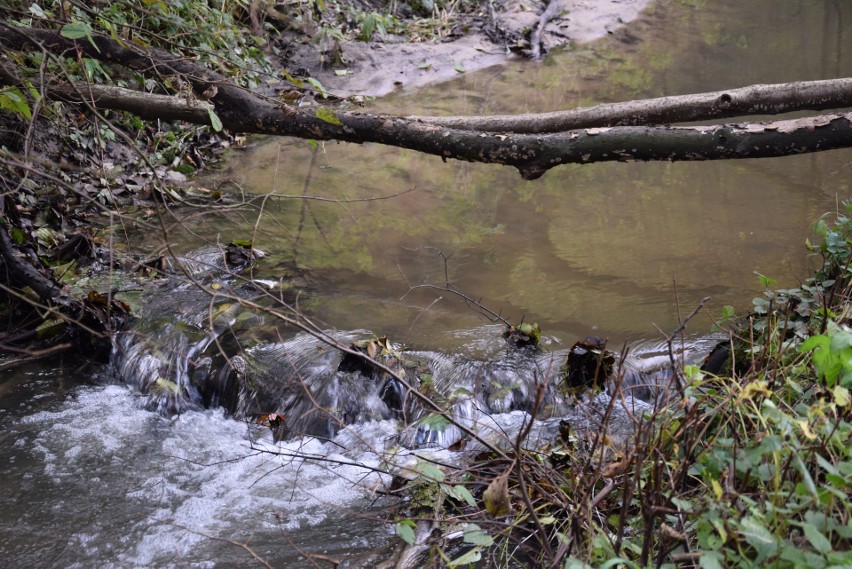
[21, 271]
[769, 99]
[144, 105]
[531, 153]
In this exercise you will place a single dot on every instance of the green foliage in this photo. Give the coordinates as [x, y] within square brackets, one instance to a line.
[12, 99]
[207, 31]
[832, 355]
[749, 470]
[405, 530]
[370, 23]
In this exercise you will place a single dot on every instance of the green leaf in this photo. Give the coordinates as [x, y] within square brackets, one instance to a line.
[12, 99]
[17, 235]
[760, 538]
[434, 422]
[765, 281]
[167, 384]
[710, 560]
[36, 11]
[462, 493]
[341, 72]
[215, 122]
[817, 539]
[458, 67]
[76, 30]
[841, 396]
[430, 471]
[405, 530]
[471, 556]
[318, 86]
[475, 536]
[327, 115]
[368, 26]
[292, 80]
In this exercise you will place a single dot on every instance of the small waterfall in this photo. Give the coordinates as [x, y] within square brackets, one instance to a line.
[188, 351]
[162, 352]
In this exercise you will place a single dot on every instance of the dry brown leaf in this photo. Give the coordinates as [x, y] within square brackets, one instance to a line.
[496, 496]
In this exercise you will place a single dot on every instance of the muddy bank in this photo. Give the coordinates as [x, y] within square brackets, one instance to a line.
[499, 32]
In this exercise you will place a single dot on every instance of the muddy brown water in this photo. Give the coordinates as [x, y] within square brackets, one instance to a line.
[612, 249]
[93, 480]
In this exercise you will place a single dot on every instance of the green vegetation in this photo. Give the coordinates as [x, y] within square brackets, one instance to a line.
[745, 469]
[752, 467]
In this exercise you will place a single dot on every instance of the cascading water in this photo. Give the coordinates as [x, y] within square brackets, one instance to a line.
[203, 369]
[321, 382]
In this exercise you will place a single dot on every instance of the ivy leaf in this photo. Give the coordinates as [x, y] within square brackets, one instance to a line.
[215, 121]
[327, 115]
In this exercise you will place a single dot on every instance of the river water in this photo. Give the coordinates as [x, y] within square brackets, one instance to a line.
[585, 249]
[92, 479]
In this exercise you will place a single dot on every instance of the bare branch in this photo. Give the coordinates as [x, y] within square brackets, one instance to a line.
[532, 150]
[769, 99]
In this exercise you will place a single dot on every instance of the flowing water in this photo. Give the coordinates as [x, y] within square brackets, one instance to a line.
[94, 479]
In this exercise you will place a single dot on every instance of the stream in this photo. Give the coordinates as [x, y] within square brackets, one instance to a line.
[96, 477]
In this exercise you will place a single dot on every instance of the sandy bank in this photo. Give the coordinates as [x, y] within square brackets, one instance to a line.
[492, 38]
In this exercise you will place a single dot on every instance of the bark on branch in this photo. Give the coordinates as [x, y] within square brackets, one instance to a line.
[531, 143]
[144, 105]
[753, 100]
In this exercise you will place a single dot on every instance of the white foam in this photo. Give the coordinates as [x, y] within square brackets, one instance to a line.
[197, 474]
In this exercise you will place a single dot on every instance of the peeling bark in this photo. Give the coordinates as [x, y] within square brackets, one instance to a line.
[531, 143]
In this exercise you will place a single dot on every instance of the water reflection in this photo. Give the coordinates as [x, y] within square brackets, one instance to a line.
[585, 248]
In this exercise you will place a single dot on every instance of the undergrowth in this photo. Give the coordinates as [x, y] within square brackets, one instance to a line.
[748, 468]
